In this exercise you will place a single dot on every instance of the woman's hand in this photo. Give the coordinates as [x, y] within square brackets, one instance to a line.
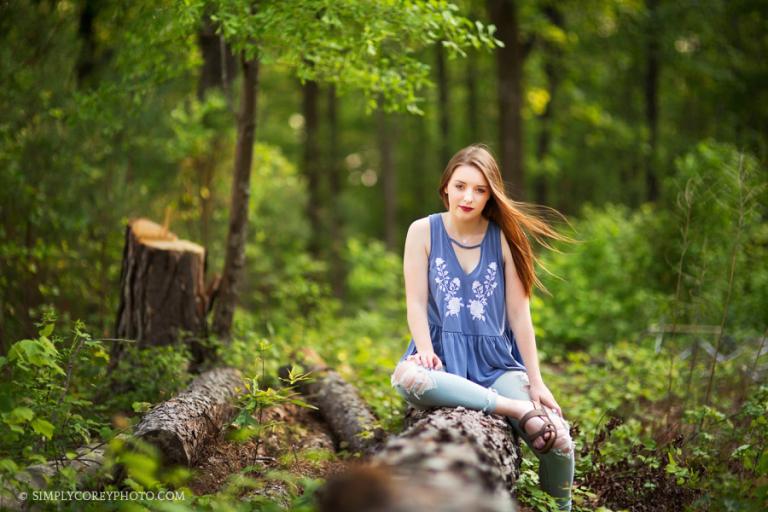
[541, 393]
[426, 359]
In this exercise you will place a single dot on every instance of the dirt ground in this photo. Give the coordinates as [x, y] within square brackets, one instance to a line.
[299, 429]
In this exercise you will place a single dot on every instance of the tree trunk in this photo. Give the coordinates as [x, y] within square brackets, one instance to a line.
[162, 289]
[473, 113]
[448, 459]
[388, 178]
[181, 426]
[509, 66]
[552, 64]
[348, 416]
[336, 186]
[241, 191]
[651, 99]
[86, 60]
[312, 170]
[219, 64]
[444, 143]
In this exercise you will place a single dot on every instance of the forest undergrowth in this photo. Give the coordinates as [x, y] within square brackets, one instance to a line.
[653, 341]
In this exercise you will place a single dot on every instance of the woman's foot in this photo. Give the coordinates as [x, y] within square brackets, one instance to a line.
[544, 421]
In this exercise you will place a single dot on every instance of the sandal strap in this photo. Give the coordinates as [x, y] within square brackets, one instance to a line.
[547, 427]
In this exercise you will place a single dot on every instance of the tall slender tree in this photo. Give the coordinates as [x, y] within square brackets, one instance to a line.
[312, 167]
[359, 44]
[552, 56]
[234, 261]
[509, 70]
[651, 95]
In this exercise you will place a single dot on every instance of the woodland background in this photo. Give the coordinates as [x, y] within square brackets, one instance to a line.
[644, 122]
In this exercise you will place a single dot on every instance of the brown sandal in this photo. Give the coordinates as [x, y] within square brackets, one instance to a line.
[548, 427]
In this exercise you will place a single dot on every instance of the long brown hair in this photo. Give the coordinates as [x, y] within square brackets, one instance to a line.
[517, 219]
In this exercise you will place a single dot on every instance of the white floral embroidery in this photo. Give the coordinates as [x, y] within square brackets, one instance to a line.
[454, 305]
[482, 292]
[449, 287]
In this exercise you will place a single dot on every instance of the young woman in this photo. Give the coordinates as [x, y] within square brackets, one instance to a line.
[469, 273]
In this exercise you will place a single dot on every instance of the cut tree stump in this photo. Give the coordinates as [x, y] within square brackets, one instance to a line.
[346, 413]
[162, 287]
[448, 459]
[181, 426]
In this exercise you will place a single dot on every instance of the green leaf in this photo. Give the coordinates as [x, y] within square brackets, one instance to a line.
[8, 466]
[46, 330]
[19, 415]
[43, 427]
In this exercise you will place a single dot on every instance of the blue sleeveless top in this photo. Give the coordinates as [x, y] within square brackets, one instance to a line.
[467, 312]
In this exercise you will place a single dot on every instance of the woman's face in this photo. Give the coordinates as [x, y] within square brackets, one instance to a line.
[467, 188]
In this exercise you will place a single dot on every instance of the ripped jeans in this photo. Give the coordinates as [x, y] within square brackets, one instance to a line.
[423, 388]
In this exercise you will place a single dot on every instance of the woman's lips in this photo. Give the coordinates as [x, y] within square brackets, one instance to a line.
[466, 208]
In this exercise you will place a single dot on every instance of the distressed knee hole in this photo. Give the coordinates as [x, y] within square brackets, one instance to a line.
[413, 378]
[564, 444]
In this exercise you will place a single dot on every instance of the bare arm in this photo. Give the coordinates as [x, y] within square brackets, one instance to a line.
[519, 313]
[415, 270]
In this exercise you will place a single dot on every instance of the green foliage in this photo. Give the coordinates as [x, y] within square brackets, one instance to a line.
[46, 393]
[605, 287]
[721, 203]
[148, 375]
[729, 460]
[257, 398]
[367, 46]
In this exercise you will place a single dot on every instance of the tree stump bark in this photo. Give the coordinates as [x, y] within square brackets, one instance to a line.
[449, 459]
[162, 287]
[180, 426]
[348, 416]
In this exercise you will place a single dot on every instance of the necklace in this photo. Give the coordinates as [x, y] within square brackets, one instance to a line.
[463, 245]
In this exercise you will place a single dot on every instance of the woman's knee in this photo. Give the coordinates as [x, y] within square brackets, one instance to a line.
[564, 446]
[412, 379]
[514, 385]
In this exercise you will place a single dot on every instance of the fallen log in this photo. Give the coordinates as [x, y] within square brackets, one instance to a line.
[179, 427]
[162, 289]
[448, 459]
[87, 460]
[345, 412]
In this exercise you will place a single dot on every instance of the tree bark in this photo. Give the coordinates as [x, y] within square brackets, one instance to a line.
[348, 416]
[312, 170]
[219, 64]
[86, 60]
[448, 459]
[181, 426]
[336, 186]
[651, 98]
[509, 66]
[241, 191]
[552, 63]
[473, 113]
[444, 143]
[162, 290]
[388, 178]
